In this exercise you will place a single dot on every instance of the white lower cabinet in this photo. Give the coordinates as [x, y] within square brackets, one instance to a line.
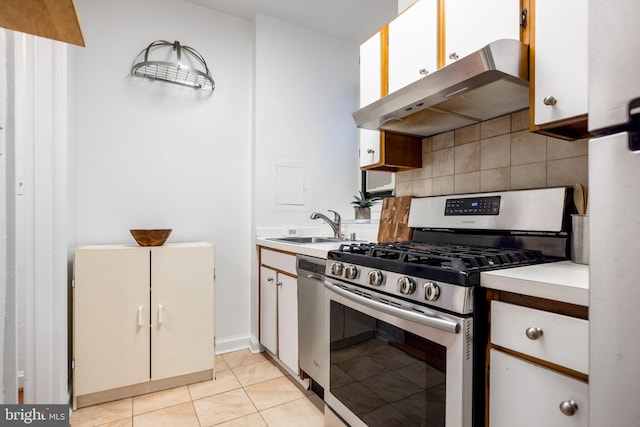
[538, 366]
[524, 394]
[279, 306]
[143, 319]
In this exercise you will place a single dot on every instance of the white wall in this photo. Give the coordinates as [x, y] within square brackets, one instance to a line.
[306, 89]
[153, 154]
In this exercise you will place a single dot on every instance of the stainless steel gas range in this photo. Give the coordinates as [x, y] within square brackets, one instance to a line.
[407, 321]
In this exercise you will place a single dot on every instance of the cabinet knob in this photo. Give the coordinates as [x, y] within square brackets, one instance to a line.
[454, 56]
[370, 151]
[424, 71]
[533, 333]
[568, 407]
[549, 100]
[269, 279]
[278, 283]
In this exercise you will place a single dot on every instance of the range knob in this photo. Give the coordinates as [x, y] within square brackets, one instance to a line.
[350, 272]
[431, 291]
[336, 268]
[406, 285]
[375, 277]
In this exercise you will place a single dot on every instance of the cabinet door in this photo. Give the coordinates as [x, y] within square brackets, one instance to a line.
[288, 321]
[182, 330]
[526, 395]
[413, 44]
[110, 318]
[268, 309]
[370, 91]
[371, 69]
[472, 24]
[370, 147]
[560, 59]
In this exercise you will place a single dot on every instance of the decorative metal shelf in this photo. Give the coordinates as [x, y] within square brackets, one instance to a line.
[176, 72]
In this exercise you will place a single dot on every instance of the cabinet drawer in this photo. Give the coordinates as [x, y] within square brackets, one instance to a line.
[564, 339]
[278, 260]
[524, 394]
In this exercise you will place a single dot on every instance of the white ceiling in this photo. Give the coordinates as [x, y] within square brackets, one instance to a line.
[350, 20]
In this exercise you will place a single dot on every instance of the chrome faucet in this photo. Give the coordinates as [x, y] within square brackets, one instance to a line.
[335, 224]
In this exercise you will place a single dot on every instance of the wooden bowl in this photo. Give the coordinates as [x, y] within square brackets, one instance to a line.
[151, 237]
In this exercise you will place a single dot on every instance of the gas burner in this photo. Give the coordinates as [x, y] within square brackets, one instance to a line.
[448, 256]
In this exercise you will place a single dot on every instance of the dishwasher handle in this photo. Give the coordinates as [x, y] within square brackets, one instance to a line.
[315, 276]
[422, 318]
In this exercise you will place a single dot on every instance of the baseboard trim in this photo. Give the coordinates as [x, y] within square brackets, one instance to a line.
[138, 389]
[238, 342]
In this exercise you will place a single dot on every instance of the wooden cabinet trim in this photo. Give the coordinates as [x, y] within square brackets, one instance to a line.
[277, 270]
[267, 248]
[567, 309]
[442, 34]
[559, 368]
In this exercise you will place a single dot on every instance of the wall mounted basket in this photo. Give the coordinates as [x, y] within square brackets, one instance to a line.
[189, 70]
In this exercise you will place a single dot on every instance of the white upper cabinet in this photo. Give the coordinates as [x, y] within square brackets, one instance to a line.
[371, 69]
[413, 44]
[473, 24]
[371, 74]
[370, 147]
[560, 60]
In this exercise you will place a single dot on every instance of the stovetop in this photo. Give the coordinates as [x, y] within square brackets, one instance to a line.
[441, 276]
[452, 263]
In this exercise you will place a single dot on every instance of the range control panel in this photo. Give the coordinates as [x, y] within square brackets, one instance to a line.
[473, 206]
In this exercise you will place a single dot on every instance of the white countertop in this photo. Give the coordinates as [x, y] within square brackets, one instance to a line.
[560, 281]
[312, 249]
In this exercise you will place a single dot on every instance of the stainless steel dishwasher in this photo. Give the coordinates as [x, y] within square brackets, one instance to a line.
[312, 325]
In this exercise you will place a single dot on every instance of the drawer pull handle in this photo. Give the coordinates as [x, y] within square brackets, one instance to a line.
[533, 333]
[140, 317]
[568, 407]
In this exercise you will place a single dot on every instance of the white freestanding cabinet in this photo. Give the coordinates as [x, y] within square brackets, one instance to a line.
[143, 319]
[279, 306]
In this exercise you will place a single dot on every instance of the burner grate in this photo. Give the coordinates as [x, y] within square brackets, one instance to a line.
[463, 258]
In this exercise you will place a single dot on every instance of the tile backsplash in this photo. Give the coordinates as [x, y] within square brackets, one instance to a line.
[499, 154]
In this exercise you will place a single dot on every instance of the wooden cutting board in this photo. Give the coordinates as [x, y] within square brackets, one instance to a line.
[394, 219]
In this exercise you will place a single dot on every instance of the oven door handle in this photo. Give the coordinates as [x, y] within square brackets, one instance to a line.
[424, 319]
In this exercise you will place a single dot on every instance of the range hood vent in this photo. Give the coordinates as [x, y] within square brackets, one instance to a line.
[488, 83]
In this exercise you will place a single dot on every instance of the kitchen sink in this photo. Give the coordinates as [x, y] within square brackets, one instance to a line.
[303, 240]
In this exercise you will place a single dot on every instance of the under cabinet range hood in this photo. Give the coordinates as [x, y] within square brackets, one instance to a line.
[488, 83]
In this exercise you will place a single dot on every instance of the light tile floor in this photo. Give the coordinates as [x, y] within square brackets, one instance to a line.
[250, 390]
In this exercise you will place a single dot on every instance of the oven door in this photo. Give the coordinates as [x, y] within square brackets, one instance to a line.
[395, 366]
